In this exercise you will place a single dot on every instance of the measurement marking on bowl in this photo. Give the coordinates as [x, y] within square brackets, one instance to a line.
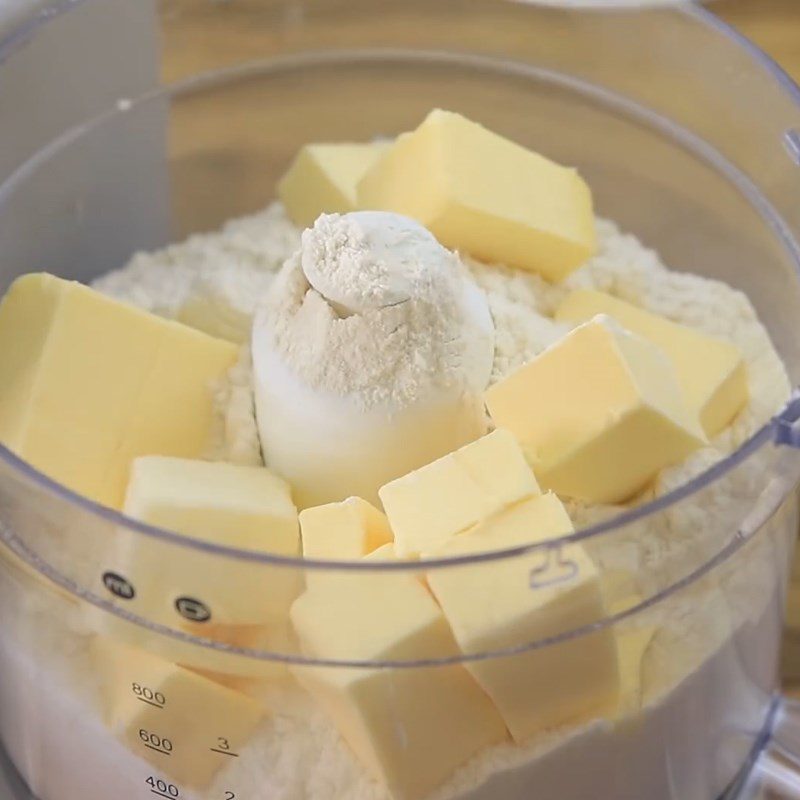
[193, 610]
[147, 695]
[149, 702]
[163, 789]
[119, 586]
[223, 747]
[791, 141]
[158, 750]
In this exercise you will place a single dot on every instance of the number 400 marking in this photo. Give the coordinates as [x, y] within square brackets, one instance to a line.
[170, 791]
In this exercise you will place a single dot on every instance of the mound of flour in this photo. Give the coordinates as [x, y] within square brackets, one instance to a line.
[522, 305]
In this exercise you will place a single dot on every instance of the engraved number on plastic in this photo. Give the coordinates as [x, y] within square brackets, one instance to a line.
[146, 695]
[152, 741]
[119, 586]
[555, 568]
[224, 748]
[193, 610]
[162, 788]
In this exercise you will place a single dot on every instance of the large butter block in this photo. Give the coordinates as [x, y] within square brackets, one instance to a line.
[323, 179]
[186, 726]
[247, 508]
[91, 383]
[347, 530]
[599, 413]
[441, 499]
[526, 599]
[712, 373]
[485, 195]
[410, 727]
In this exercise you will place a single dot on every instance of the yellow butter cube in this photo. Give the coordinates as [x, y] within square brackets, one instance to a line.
[186, 726]
[514, 602]
[410, 727]
[441, 499]
[485, 195]
[247, 508]
[91, 383]
[386, 552]
[712, 373]
[323, 179]
[347, 530]
[599, 413]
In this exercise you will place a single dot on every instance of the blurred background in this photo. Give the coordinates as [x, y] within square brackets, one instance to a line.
[772, 24]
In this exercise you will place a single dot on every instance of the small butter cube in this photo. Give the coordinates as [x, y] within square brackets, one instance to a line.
[323, 179]
[410, 727]
[517, 601]
[712, 373]
[346, 530]
[599, 413]
[483, 194]
[186, 726]
[441, 499]
[247, 508]
[91, 383]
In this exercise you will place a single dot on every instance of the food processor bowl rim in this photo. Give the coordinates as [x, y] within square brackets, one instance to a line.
[763, 437]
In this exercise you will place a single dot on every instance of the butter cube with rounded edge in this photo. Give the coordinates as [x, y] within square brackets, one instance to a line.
[711, 372]
[323, 178]
[344, 531]
[410, 727]
[451, 494]
[247, 508]
[347, 530]
[485, 195]
[91, 383]
[513, 602]
[598, 414]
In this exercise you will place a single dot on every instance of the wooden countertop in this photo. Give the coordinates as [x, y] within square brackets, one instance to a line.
[774, 25]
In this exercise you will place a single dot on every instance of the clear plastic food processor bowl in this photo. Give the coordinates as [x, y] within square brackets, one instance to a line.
[127, 125]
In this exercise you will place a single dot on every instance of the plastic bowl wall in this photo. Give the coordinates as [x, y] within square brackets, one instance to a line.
[685, 134]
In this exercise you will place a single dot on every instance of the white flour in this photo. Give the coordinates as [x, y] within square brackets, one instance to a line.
[302, 757]
[162, 281]
[376, 311]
